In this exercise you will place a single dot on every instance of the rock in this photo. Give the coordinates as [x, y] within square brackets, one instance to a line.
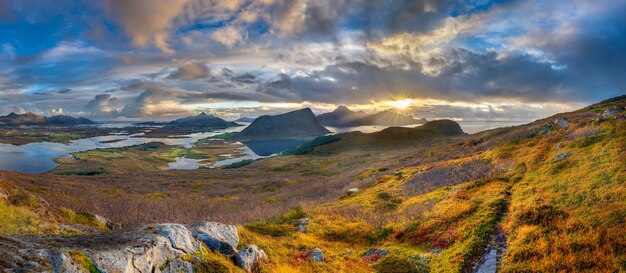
[61, 262]
[561, 122]
[112, 260]
[315, 255]
[490, 262]
[562, 156]
[598, 121]
[559, 147]
[108, 223]
[610, 112]
[178, 266]
[217, 236]
[373, 254]
[302, 224]
[3, 195]
[250, 257]
[179, 236]
[352, 191]
[148, 254]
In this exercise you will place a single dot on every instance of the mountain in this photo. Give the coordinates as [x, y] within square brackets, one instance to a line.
[67, 120]
[341, 117]
[299, 124]
[392, 137]
[245, 119]
[34, 119]
[344, 117]
[540, 197]
[201, 120]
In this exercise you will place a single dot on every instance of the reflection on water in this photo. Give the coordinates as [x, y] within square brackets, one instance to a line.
[272, 146]
[39, 157]
[183, 163]
[469, 127]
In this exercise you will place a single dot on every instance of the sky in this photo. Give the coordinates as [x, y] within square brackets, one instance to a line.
[163, 59]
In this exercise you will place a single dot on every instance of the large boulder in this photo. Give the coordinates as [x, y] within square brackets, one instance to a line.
[147, 254]
[217, 236]
[61, 262]
[179, 236]
[250, 257]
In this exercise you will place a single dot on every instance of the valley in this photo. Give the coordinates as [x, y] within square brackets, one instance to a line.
[547, 196]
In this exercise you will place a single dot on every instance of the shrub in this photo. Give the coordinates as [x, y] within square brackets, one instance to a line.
[545, 215]
[239, 164]
[85, 172]
[83, 262]
[272, 229]
[397, 263]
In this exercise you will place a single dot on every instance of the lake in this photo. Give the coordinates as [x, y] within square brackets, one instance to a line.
[39, 157]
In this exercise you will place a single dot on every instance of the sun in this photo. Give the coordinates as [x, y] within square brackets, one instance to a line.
[400, 104]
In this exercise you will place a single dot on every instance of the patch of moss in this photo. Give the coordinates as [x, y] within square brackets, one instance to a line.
[83, 262]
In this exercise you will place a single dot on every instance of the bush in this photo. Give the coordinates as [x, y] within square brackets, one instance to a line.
[85, 172]
[239, 164]
[545, 216]
[395, 263]
[272, 229]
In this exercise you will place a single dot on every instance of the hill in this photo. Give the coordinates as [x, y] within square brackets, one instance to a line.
[547, 196]
[396, 136]
[245, 119]
[344, 117]
[14, 119]
[299, 124]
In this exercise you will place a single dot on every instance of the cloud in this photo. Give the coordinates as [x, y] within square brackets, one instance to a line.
[190, 70]
[147, 22]
[102, 105]
[229, 36]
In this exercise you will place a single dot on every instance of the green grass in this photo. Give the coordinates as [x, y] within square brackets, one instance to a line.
[18, 219]
[84, 172]
[97, 152]
[309, 146]
[240, 164]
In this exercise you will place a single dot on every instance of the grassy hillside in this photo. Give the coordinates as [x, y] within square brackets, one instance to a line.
[546, 197]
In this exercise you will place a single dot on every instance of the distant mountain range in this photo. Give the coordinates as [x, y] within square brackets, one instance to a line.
[245, 119]
[200, 120]
[344, 117]
[299, 124]
[14, 119]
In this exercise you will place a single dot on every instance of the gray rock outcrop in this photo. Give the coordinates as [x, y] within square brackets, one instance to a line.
[250, 257]
[217, 236]
[179, 236]
[561, 122]
[373, 254]
[315, 255]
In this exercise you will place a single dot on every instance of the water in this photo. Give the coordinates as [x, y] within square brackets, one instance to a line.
[39, 157]
[470, 127]
[183, 163]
